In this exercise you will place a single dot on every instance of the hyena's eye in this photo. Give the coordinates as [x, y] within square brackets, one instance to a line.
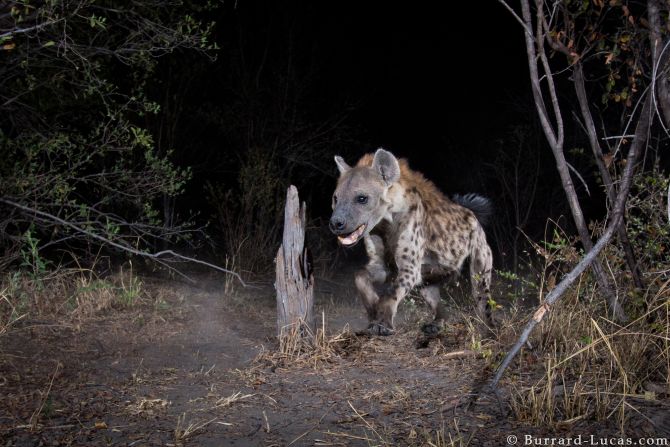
[334, 199]
[362, 199]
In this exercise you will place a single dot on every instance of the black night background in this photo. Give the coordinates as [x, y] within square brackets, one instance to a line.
[152, 291]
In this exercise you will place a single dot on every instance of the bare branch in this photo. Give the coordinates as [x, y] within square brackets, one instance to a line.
[155, 256]
[535, 76]
[617, 216]
[516, 17]
[590, 129]
[554, 133]
[28, 29]
[579, 176]
[541, 33]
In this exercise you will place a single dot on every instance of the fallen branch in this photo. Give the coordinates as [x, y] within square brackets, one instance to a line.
[459, 354]
[155, 256]
[617, 216]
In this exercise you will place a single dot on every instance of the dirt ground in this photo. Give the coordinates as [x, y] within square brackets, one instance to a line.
[198, 367]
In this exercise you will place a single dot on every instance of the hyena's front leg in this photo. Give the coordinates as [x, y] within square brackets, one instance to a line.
[408, 259]
[374, 273]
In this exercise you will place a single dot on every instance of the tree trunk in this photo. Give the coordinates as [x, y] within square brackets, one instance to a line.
[294, 280]
[590, 128]
[660, 57]
[557, 292]
[537, 56]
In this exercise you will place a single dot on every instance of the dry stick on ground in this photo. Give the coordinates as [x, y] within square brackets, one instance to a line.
[36, 414]
[360, 416]
[158, 257]
[617, 216]
[311, 429]
[554, 133]
[459, 354]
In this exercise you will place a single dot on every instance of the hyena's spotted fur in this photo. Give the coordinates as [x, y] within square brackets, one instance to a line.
[414, 236]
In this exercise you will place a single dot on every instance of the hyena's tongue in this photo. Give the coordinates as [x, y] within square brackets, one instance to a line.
[352, 238]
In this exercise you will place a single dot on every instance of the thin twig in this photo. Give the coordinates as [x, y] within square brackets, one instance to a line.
[516, 16]
[366, 422]
[36, 414]
[312, 429]
[154, 256]
[28, 29]
[579, 176]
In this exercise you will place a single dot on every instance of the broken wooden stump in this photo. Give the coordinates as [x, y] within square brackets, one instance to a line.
[294, 281]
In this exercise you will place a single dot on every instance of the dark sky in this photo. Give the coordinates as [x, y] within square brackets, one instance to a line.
[424, 72]
[420, 75]
[438, 83]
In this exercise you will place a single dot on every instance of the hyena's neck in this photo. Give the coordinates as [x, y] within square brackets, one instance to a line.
[396, 199]
[403, 200]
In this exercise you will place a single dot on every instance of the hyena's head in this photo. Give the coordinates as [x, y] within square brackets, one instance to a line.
[360, 200]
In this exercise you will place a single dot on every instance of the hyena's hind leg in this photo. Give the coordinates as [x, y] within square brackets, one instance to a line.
[374, 273]
[431, 294]
[481, 263]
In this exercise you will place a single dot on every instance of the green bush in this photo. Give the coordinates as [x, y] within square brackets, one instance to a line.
[79, 164]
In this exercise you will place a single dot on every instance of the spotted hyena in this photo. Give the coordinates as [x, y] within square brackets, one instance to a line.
[414, 235]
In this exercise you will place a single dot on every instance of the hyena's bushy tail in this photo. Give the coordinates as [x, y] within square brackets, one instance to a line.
[480, 205]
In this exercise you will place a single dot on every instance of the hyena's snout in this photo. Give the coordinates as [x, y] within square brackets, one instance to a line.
[338, 224]
[347, 231]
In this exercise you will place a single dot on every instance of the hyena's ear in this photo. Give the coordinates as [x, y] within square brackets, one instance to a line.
[387, 165]
[342, 165]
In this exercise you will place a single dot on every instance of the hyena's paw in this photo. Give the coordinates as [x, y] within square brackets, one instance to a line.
[432, 329]
[379, 328]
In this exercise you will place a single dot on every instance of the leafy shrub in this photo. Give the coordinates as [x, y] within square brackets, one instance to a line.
[78, 165]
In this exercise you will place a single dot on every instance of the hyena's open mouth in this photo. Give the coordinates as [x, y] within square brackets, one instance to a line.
[352, 237]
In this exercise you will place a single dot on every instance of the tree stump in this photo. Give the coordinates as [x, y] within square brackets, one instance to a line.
[294, 281]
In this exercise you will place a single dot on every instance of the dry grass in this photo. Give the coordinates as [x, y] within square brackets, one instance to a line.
[187, 429]
[148, 408]
[229, 281]
[299, 345]
[66, 296]
[578, 364]
[592, 368]
[447, 436]
[37, 414]
[91, 296]
[229, 400]
[10, 313]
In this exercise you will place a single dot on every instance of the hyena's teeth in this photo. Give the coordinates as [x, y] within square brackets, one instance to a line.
[353, 237]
